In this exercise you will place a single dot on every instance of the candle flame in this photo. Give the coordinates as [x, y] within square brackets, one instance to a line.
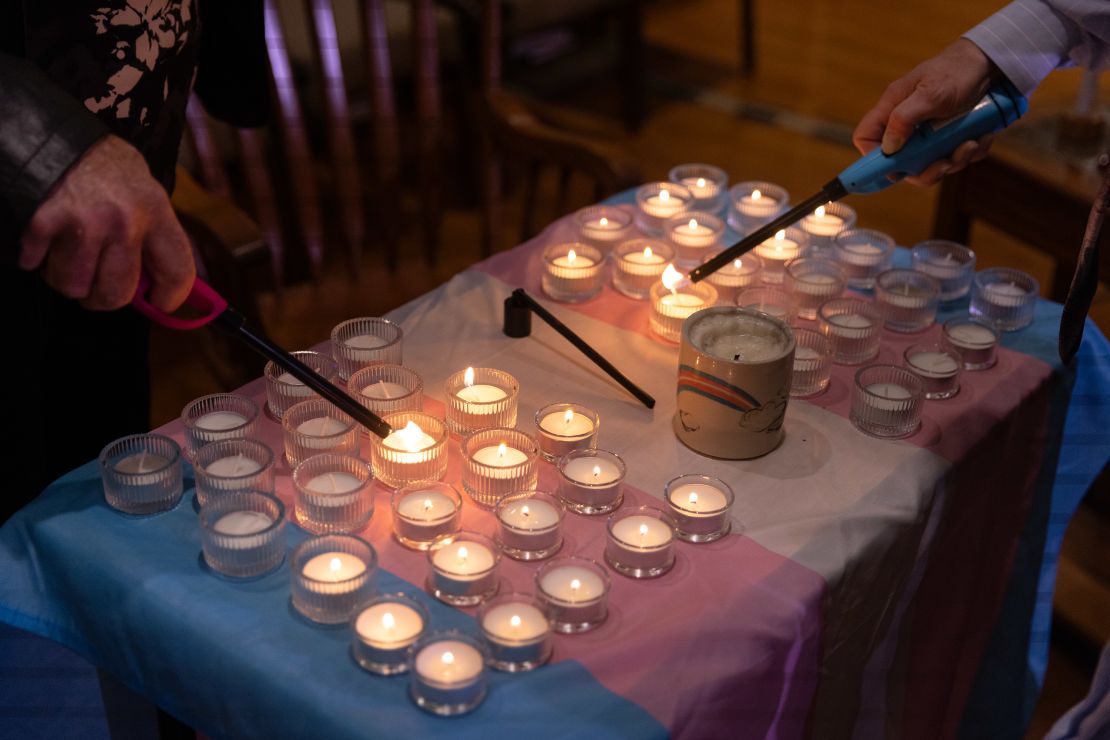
[571, 257]
[388, 621]
[701, 182]
[463, 552]
[427, 504]
[597, 470]
[780, 235]
[643, 530]
[514, 621]
[335, 565]
[820, 212]
[502, 449]
[693, 497]
[736, 264]
[575, 584]
[448, 658]
[468, 377]
[524, 510]
[664, 195]
[756, 195]
[410, 436]
[568, 417]
[672, 278]
[647, 253]
[693, 224]
[604, 221]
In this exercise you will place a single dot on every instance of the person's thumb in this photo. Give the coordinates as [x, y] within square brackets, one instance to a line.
[923, 104]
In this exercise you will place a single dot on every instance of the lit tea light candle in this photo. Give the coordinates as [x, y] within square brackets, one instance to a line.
[603, 226]
[591, 481]
[572, 272]
[463, 569]
[774, 253]
[640, 542]
[701, 188]
[658, 202]
[706, 184]
[500, 456]
[330, 576]
[662, 205]
[699, 506]
[693, 233]
[575, 593]
[498, 462]
[973, 340]
[518, 631]
[563, 427]
[410, 454]
[674, 299]
[448, 674]
[410, 439]
[383, 630]
[754, 203]
[333, 568]
[741, 273]
[529, 525]
[638, 264]
[480, 392]
[822, 223]
[424, 512]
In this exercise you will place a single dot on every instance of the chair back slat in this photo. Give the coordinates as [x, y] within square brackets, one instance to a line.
[258, 177]
[211, 165]
[429, 120]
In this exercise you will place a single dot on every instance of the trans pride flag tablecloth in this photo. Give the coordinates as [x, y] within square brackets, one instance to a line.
[870, 587]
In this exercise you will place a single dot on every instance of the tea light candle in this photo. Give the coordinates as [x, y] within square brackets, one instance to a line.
[950, 263]
[322, 426]
[662, 204]
[242, 533]
[497, 462]
[699, 506]
[572, 272]
[283, 389]
[383, 630]
[1004, 297]
[415, 451]
[424, 512]
[863, 254]
[591, 481]
[603, 226]
[825, 223]
[638, 264]
[741, 273]
[479, 398]
[907, 299]
[383, 390]
[314, 426]
[774, 253]
[658, 202]
[575, 592]
[242, 523]
[232, 465]
[886, 401]
[563, 427]
[853, 328]
[700, 188]
[330, 576]
[771, 301]
[463, 569]
[640, 542]
[675, 298]
[333, 568]
[530, 525]
[812, 281]
[937, 366]
[754, 203]
[692, 234]
[410, 440]
[518, 632]
[973, 340]
[331, 493]
[499, 456]
[812, 360]
[358, 343]
[448, 674]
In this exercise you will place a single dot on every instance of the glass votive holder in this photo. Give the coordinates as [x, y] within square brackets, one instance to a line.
[1004, 297]
[233, 465]
[462, 568]
[530, 525]
[638, 264]
[658, 201]
[218, 416]
[332, 493]
[755, 203]
[774, 253]
[575, 592]
[382, 631]
[243, 533]
[425, 512]
[331, 575]
[448, 673]
[937, 366]
[812, 281]
[707, 184]
[564, 427]
[591, 481]
[812, 363]
[415, 452]
[572, 273]
[283, 390]
[480, 397]
[640, 542]
[907, 299]
[385, 388]
[603, 227]
[974, 340]
[141, 474]
[862, 254]
[743, 272]
[854, 328]
[771, 301]
[886, 401]
[314, 426]
[671, 306]
[699, 507]
[826, 222]
[693, 235]
[951, 263]
[356, 343]
[497, 462]
[518, 632]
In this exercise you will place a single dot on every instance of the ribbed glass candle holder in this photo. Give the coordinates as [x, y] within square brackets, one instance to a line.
[564, 427]
[907, 299]
[498, 462]
[357, 343]
[333, 493]
[425, 512]
[771, 301]
[974, 340]
[937, 366]
[243, 533]
[386, 389]
[812, 281]
[591, 481]
[314, 426]
[603, 227]
[233, 465]
[518, 632]
[743, 272]
[141, 474]
[658, 201]
[699, 506]
[640, 542]
[480, 397]
[669, 308]
[283, 390]
[575, 591]
[448, 672]
[331, 575]
[462, 568]
[951, 263]
[218, 416]
[382, 631]
[862, 254]
[1004, 297]
[774, 253]
[825, 223]
[854, 328]
[754, 203]
[708, 185]
[812, 363]
[530, 525]
[638, 264]
[416, 451]
[572, 273]
[693, 235]
[886, 401]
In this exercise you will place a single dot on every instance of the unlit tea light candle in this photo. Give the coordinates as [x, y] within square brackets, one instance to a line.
[141, 474]
[331, 493]
[973, 340]
[233, 465]
[886, 401]
[937, 366]
[242, 533]
[314, 426]
[217, 417]
[1004, 298]
[358, 343]
[424, 512]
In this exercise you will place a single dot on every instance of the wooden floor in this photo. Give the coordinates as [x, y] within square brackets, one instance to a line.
[821, 64]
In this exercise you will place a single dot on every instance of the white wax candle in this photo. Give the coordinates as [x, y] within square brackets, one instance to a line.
[848, 322]
[337, 482]
[778, 249]
[424, 508]
[233, 466]
[905, 296]
[646, 257]
[529, 514]
[640, 532]
[694, 234]
[567, 424]
[803, 356]
[891, 396]
[463, 560]
[220, 421]
[572, 584]
[700, 187]
[815, 284]
[594, 471]
[663, 204]
[242, 523]
[779, 312]
[934, 364]
[448, 663]
[499, 456]
[680, 305]
[140, 462]
[481, 393]
[333, 567]
[1005, 294]
[758, 198]
[970, 336]
[365, 341]
[293, 386]
[411, 438]
[861, 253]
[515, 623]
[322, 426]
[603, 223]
[573, 260]
[698, 499]
[389, 624]
[823, 224]
[383, 390]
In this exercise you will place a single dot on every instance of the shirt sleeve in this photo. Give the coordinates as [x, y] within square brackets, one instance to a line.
[1027, 39]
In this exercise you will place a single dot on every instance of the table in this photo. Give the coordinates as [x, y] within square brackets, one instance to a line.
[870, 588]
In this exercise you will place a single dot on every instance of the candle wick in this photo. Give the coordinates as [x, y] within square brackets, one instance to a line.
[736, 356]
[385, 391]
[238, 464]
[331, 480]
[142, 461]
[320, 426]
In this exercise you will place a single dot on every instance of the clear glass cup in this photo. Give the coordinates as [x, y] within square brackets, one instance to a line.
[1004, 297]
[498, 462]
[416, 451]
[951, 263]
[332, 493]
[771, 301]
[812, 281]
[383, 629]
[603, 227]
[386, 389]
[283, 390]
[707, 184]
[862, 254]
[243, 533]
[853, 326]
[218, 416]
[937, 366]
[141, 474]
[812, 363]
[575, 592]
[573, 272]
[480, 397]
[233, 465]
[886, 401]
[518, 632]
[907, 299]
[640, 542]
[638, 264]
[357, 343]
[448, 673]
[974, 340]
[424, 512]
[331, 575]
[314, 426]
[658, 201]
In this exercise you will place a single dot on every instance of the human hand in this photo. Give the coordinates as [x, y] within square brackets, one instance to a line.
[946, 85]
[102, 223]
